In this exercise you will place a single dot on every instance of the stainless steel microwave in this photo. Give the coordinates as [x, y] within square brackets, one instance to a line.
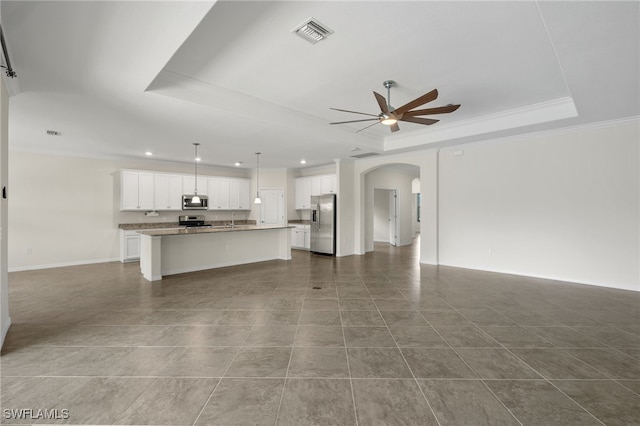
[188, 204]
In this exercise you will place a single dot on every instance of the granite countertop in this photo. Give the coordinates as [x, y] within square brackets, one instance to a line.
[209, 230]
[173, 225]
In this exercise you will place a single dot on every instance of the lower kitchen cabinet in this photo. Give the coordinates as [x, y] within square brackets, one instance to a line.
[300, 237]
[129, 246]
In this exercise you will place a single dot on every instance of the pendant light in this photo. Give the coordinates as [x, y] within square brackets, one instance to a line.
[195, 199]
[257, 200]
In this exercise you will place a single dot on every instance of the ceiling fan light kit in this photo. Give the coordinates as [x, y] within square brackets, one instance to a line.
[390, 116]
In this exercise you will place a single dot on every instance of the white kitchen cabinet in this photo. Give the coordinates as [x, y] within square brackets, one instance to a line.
[129, 246]
[303, 193]
[239, 194]
[313, 185]
[300, 237]
[141, 190]
[307, 238]
[218, 193]
[168, 192]
[316, 185]
[188, 185]
[136, 190]
[328, 184]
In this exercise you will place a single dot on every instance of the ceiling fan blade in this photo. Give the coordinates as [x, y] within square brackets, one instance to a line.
[364, 128]
[394, 127]
[355, 121]
[354, 112]
[429, 111]
[419, 120]
[382, 102]
[427, 97]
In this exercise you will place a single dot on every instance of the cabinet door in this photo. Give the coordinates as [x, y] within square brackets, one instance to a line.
[307, 239]
[145, 191]
[297, 237]
[329, 184]
[175, 192]
[129, 191]
[161, 189]
[239, 194]
[218, 194]
[137, 191]
[132, 247]
[316, 185]
[168, 192]
[303, 193]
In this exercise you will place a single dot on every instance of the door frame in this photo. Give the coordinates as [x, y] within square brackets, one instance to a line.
[282, 213]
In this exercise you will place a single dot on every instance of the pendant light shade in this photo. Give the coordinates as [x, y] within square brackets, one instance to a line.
[257, 200]
[195, 199]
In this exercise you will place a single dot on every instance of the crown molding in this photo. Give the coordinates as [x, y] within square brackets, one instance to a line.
[544, 112]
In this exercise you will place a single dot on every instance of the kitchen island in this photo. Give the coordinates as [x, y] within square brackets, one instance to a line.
[179, 250]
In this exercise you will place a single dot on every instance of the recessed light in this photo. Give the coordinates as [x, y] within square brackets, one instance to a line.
[238, 163]
[198, 159]
[148, 153]
[303, 161]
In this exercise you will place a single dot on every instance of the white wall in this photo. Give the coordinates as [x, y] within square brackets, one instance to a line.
[562, 206]
[347, 207]
[5, 319]
[67, 209]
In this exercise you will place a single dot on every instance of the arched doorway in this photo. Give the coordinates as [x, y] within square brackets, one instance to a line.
[389, 205]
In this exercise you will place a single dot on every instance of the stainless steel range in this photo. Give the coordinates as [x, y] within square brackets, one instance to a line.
[195, 221]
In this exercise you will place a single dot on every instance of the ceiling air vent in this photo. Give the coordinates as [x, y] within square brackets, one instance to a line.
[312, 31]
[366, 154]
[53, 133]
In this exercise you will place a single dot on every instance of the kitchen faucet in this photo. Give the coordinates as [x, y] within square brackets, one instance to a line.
[233, 219]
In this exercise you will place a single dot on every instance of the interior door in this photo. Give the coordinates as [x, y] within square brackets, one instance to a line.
[272, 207]
[393, 217]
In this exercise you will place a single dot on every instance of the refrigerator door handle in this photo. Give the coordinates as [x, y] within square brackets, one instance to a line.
[318, 217]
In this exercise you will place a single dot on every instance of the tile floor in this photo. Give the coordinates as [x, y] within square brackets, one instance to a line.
[362, 340]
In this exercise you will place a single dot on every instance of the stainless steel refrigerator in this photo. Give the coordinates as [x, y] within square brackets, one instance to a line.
[323, 224]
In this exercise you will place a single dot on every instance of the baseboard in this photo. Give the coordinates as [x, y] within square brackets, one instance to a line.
[5, 330]
[63, 264]
[545, 277]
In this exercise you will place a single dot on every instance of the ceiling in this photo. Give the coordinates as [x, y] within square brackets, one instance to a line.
[117, 79]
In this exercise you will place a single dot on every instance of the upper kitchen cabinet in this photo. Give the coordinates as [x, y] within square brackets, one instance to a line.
[303, 193]
[159, 191]
[229, 194]
[328, 184]
[188, 184]
[218, 193]
[168, 192]
[313, 185]
[137, 190]
[239, 194]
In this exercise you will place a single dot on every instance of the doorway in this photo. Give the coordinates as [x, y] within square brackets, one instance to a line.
[385, 216]
[272, 207]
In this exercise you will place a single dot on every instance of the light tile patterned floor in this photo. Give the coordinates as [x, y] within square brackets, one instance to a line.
[381, 340]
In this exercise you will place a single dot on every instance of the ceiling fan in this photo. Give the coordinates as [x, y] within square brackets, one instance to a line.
[390, 116]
